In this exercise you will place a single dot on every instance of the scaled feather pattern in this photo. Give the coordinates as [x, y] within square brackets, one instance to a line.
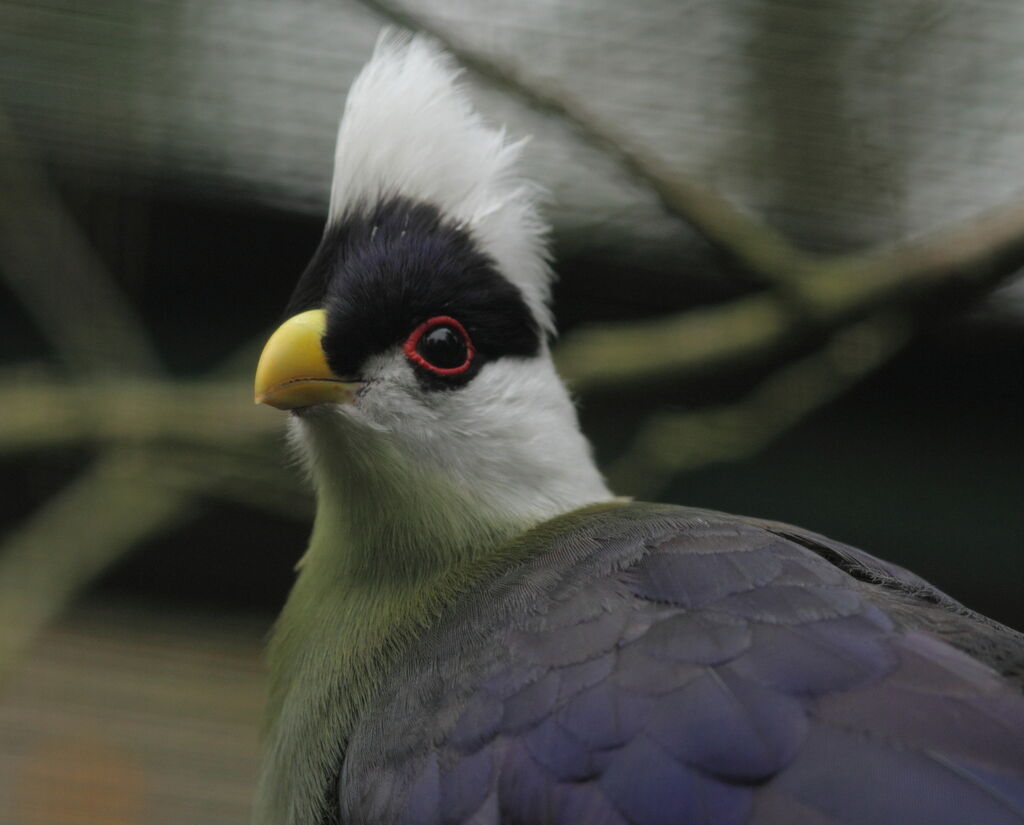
[666, 666]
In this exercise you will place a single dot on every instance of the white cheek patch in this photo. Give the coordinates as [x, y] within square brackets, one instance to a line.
[507, 440]
[392, 399]
[390, 366]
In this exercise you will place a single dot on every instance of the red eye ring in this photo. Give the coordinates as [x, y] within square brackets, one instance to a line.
[412, 342]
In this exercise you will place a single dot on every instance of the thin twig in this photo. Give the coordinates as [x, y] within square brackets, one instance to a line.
[972, 258]
[252, 478]
[76, 535]
[757, 248]
[44, 412]
[671, 443]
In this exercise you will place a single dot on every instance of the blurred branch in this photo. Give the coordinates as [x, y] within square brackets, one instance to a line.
[45, 412]
[760, 250]
[970, 258]
[104, 513]
[77, 534]
[128, 496]
[54, 271]
[131, 493]
[671, 443]
[250, 477]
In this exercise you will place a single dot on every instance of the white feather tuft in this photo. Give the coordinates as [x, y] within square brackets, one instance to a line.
[409, 129]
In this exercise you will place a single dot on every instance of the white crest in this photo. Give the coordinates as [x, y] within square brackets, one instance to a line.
[409, 129]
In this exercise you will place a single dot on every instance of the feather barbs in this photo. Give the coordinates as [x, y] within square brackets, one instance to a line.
[409, 130]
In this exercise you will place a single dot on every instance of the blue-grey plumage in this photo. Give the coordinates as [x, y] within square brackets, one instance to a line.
[481, 634]
[661, 665]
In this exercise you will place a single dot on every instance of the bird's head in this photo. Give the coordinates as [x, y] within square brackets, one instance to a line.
[415, 356]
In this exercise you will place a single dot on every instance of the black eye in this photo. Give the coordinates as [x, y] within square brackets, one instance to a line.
[441, 345]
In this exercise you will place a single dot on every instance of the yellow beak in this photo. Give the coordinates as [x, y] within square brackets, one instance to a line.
[293, 370]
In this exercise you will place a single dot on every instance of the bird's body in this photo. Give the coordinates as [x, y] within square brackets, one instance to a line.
[480, 633]
[666, 665]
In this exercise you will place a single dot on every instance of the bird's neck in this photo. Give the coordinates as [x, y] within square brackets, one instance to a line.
[338, 636]
[393, 544]
[342, 629]
[382, 521]
[433, 489]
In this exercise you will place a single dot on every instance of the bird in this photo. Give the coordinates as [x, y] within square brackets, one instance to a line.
[480, 632]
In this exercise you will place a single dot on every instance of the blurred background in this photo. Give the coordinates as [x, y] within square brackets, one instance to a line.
[788, 237]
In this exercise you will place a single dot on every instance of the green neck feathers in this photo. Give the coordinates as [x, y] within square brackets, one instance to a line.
[372, 579]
